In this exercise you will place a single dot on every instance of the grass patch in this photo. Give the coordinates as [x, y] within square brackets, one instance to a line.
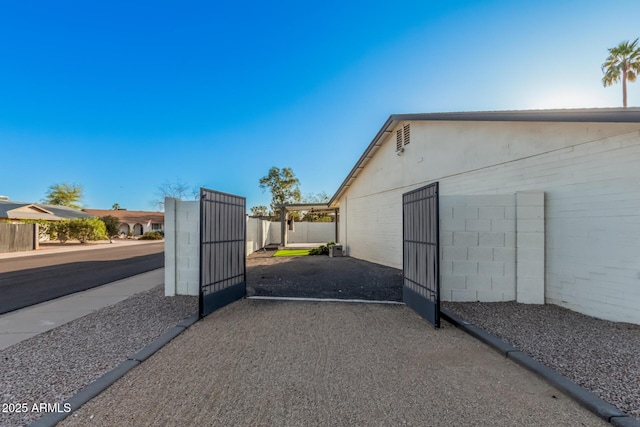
[292, 252]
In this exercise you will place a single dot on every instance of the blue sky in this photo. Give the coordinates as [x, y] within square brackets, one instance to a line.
[120, 97]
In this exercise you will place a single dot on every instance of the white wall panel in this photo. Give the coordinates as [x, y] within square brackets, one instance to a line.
[590, 176]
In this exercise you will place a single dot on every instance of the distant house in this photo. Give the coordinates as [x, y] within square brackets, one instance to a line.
[139, 222]
[16, 211]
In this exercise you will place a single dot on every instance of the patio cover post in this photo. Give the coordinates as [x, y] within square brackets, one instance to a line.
[283, 227]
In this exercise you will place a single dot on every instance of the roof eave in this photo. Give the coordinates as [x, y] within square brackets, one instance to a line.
[364, 158]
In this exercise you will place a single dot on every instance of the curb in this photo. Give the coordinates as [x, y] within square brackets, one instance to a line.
[102, 383]
[584, 397]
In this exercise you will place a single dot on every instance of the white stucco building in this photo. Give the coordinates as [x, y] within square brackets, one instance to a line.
[535, 206]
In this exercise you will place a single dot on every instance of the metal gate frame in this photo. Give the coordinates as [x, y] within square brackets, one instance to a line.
[421, 252]
[222, 250]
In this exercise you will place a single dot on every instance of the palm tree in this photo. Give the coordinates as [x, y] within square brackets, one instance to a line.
[623, 63]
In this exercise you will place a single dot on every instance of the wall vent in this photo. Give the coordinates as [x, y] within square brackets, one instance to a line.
[407, 134]
[399, 140]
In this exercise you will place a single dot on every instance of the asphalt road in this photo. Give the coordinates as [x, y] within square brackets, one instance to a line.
[31, 280]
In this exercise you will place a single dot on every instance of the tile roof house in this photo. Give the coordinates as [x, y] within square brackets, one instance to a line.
[139, 222]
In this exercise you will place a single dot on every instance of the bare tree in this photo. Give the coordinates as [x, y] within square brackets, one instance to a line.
[177, 189]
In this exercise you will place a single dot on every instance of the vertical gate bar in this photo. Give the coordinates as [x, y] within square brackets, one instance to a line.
[211, 235]
[244, 244]
[219, 249]
[220, 243]
[208, 241]
[404, 240]
[200, 296]
[436, 223]
[228, 245]
[423, 247]
[226, 219]
[232, 244]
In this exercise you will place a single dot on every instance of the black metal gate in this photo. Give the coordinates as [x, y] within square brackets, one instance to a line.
[421, 252]
[222, 249]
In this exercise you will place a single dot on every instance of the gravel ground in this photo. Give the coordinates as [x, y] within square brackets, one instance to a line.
[601, 356]
[53, 366]
[283, 363]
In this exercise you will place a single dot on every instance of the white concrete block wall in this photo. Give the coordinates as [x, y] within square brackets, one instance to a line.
[591, 180]
[592, 221]
[258, 234]
[372, 229]
[477, 259]
[322, 232]
[530, 247]
[275, 232]
[182, 247]
[311, 232]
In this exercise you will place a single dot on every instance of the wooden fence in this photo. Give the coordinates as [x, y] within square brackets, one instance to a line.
[18, 237]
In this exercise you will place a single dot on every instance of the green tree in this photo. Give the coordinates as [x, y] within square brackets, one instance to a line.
[284, 187]
[64, 195]
[319, 198]
[112, 226]
[623, 63]
[259, 211]
[115, 206]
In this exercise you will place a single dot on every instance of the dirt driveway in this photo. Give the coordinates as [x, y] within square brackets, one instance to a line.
[321, 277]
[284, 363]
[305, 363]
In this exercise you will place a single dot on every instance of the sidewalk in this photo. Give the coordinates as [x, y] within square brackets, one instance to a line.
[50, 248]
[25, 323]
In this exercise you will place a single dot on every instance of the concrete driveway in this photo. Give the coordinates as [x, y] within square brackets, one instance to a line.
[264, 363]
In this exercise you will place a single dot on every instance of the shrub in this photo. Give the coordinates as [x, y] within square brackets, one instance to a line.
[60, 230]
[151, 235]
[321, 250]
[85, 229]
